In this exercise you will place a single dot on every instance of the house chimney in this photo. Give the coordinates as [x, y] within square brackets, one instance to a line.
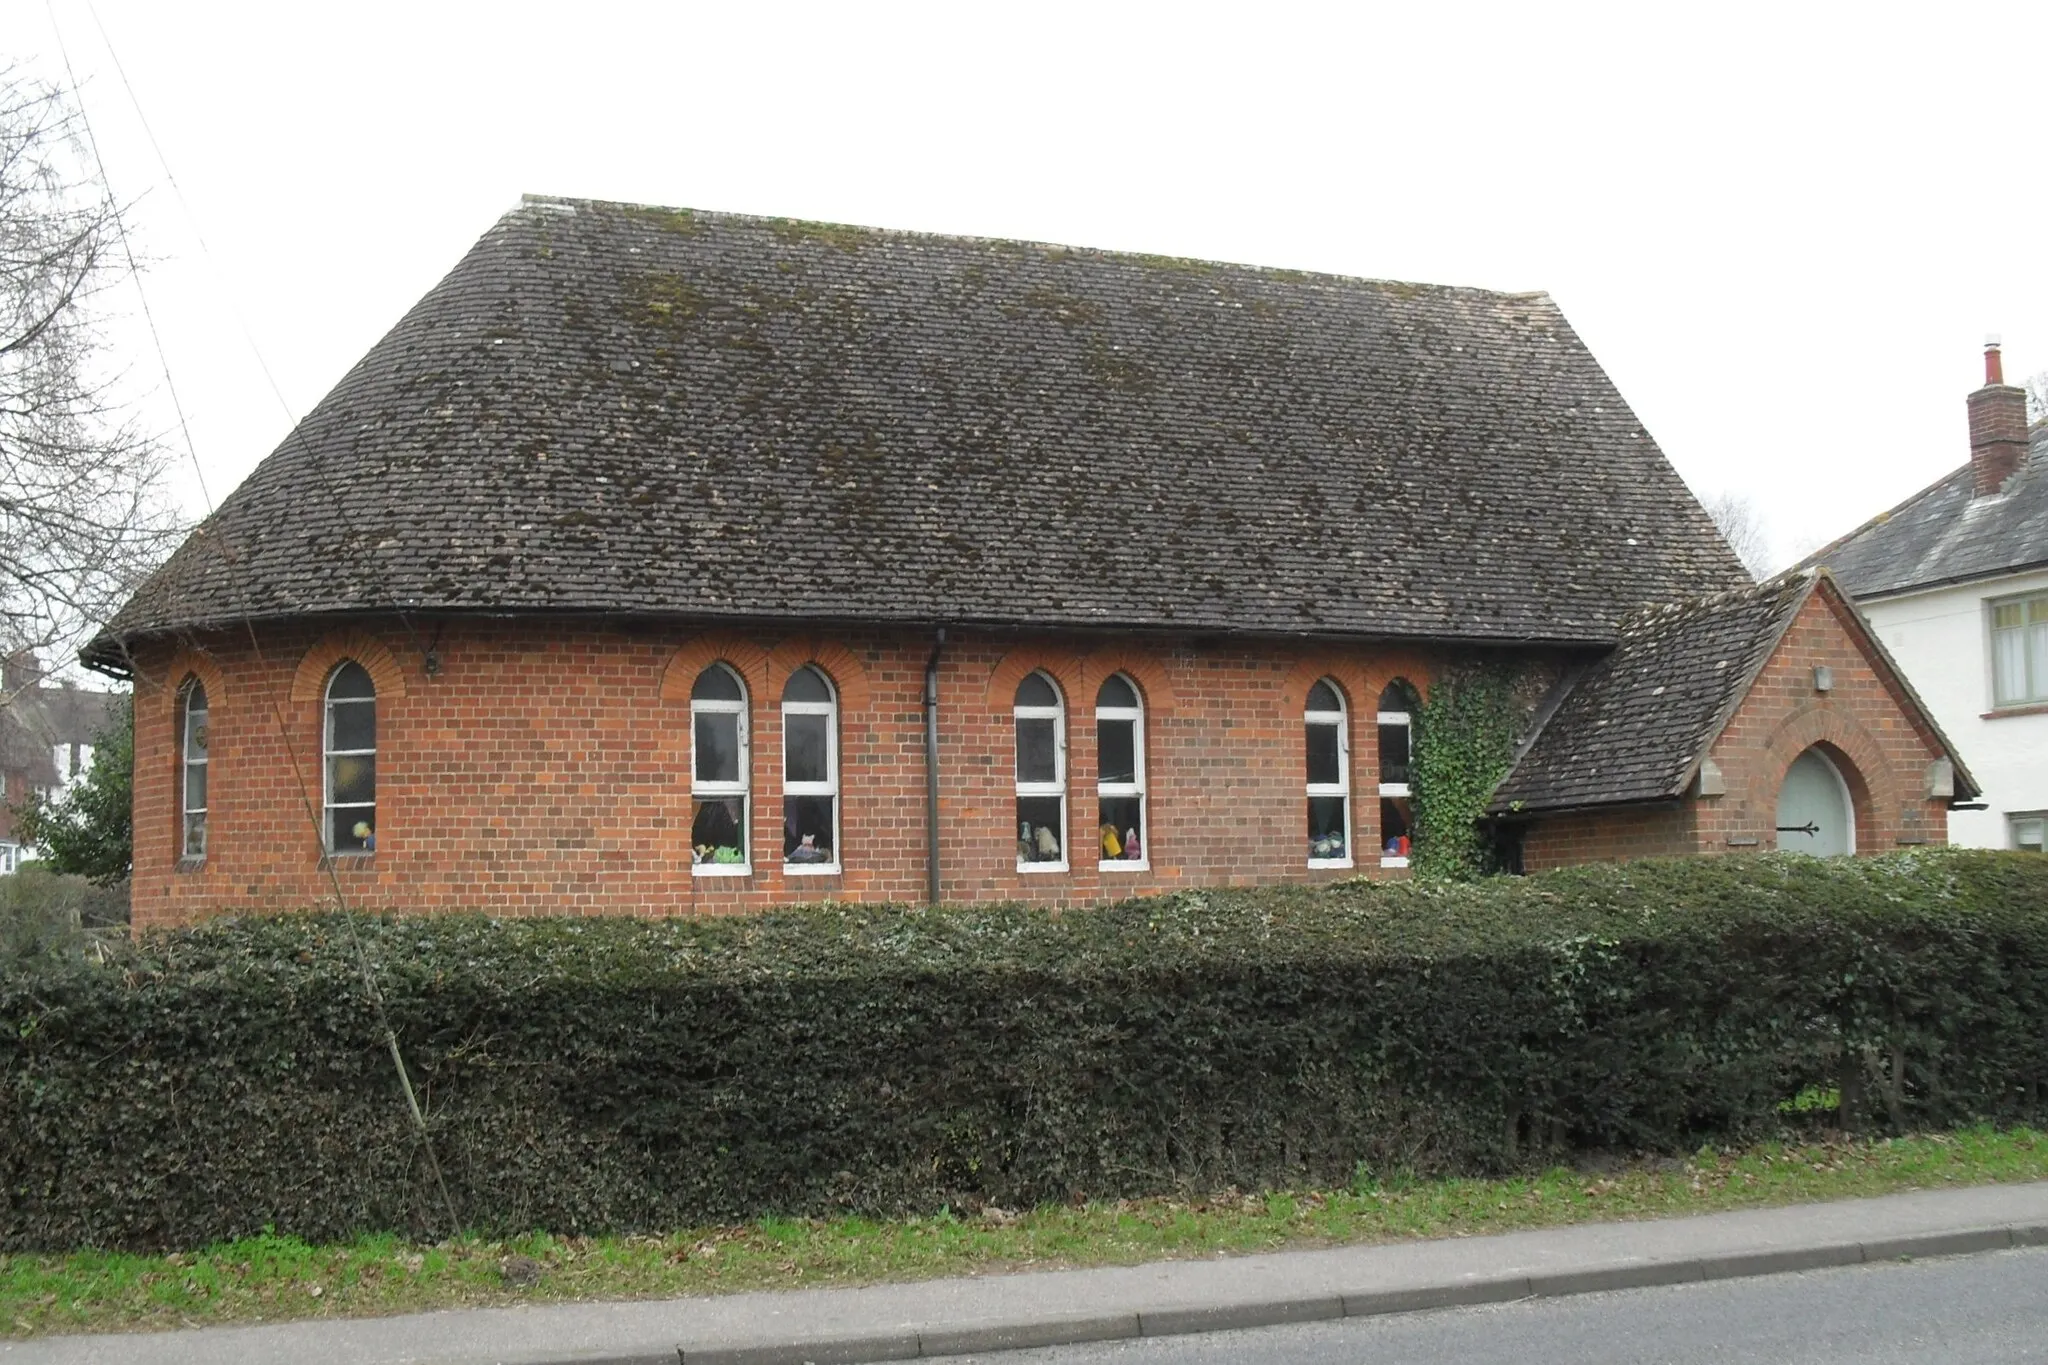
[1998, 426]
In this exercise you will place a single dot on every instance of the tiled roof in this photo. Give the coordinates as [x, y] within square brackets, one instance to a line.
[641, 411]
[40, 717]
[1944, 535]
[1637, 722]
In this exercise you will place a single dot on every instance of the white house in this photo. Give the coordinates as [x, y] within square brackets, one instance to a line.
[1955, 581]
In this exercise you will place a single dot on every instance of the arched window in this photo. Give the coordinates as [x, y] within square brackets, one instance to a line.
[351, 766]
[1397, 758]
[1041, 776]
[810, 773]
[718, 773]
[1329, 777]
[1120, 775]
[193, 773]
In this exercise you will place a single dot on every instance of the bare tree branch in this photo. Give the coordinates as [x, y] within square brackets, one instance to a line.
[1742, 526]
[82, 514]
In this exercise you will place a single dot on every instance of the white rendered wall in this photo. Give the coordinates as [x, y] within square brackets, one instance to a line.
[1942, 639]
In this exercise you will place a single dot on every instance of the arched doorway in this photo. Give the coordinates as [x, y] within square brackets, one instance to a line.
[1815, 812]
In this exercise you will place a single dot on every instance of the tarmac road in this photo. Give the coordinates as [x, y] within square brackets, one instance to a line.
[1966, 1310]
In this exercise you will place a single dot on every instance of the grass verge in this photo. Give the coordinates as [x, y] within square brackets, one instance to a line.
[270, 1278]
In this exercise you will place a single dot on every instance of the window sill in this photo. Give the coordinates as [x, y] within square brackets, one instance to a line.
[1393, 862]
[1331, 862]
[812, 869]
[2028, 708]
[1125, 865]
[1030, 869]
[192, 863]
[1394, 789]
[721, 869]
[351, 861]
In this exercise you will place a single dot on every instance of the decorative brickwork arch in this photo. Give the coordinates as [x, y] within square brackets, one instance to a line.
[1343, 673]
[742, 655]
[187, 664]
[309, 683]
[1386, 669]
[1148, 673]
[1021, 663]
[838, 663]
[1849, 746]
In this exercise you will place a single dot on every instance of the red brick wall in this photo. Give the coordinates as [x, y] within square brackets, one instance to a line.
[545, 767]
[1610, 836]
[1864, 721]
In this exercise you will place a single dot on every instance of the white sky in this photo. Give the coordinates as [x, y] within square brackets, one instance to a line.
[1784, 230]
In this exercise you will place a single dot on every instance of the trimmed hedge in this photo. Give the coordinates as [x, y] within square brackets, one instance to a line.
[608, 1075]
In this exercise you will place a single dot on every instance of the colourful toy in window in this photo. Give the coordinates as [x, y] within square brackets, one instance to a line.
[1112, 847]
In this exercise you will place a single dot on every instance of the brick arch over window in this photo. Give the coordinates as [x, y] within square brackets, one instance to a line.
[1147, 672]
[742, 655]
[309, 683]
[1407, 668]
[187, 664]
[1306, 673]
[1020, 664]
[848, 674]
[1855, 754]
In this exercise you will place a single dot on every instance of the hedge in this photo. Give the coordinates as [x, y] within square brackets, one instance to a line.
[587, 1075]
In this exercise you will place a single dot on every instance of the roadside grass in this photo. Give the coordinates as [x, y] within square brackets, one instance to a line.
[270, 1278]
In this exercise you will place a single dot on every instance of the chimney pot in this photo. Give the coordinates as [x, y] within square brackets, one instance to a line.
[1998, 427]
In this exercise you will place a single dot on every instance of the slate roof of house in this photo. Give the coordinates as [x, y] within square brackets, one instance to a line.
[1635, 724]
[1943, 534]
[35, 718]
[606, 408]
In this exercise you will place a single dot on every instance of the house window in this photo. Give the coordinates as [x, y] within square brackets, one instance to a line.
[1329, 777]
[1041, 776]
[2030, 832]
[1120, 775]
[2019, 651]
[1397, 761]
[351, 761]
[718, 773]
[810, 773]
[192, 784]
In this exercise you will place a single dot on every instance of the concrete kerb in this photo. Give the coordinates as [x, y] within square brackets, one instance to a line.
[1179, 1321]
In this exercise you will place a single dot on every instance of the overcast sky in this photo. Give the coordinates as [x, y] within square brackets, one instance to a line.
[1785, 230]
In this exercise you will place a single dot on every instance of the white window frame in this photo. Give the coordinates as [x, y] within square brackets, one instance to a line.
[328, 753]
[715, 788]
[1057, 714]
[829, 787]
[186, 810]
[1404, 720]
[1121, 791]
[2019, 820]
[2033, 609]
[1338, 718]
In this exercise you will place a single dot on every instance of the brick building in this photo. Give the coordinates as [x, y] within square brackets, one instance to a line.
[662, 563]
[1763, 717]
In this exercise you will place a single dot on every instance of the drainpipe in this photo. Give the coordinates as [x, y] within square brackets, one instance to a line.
[931, 768]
